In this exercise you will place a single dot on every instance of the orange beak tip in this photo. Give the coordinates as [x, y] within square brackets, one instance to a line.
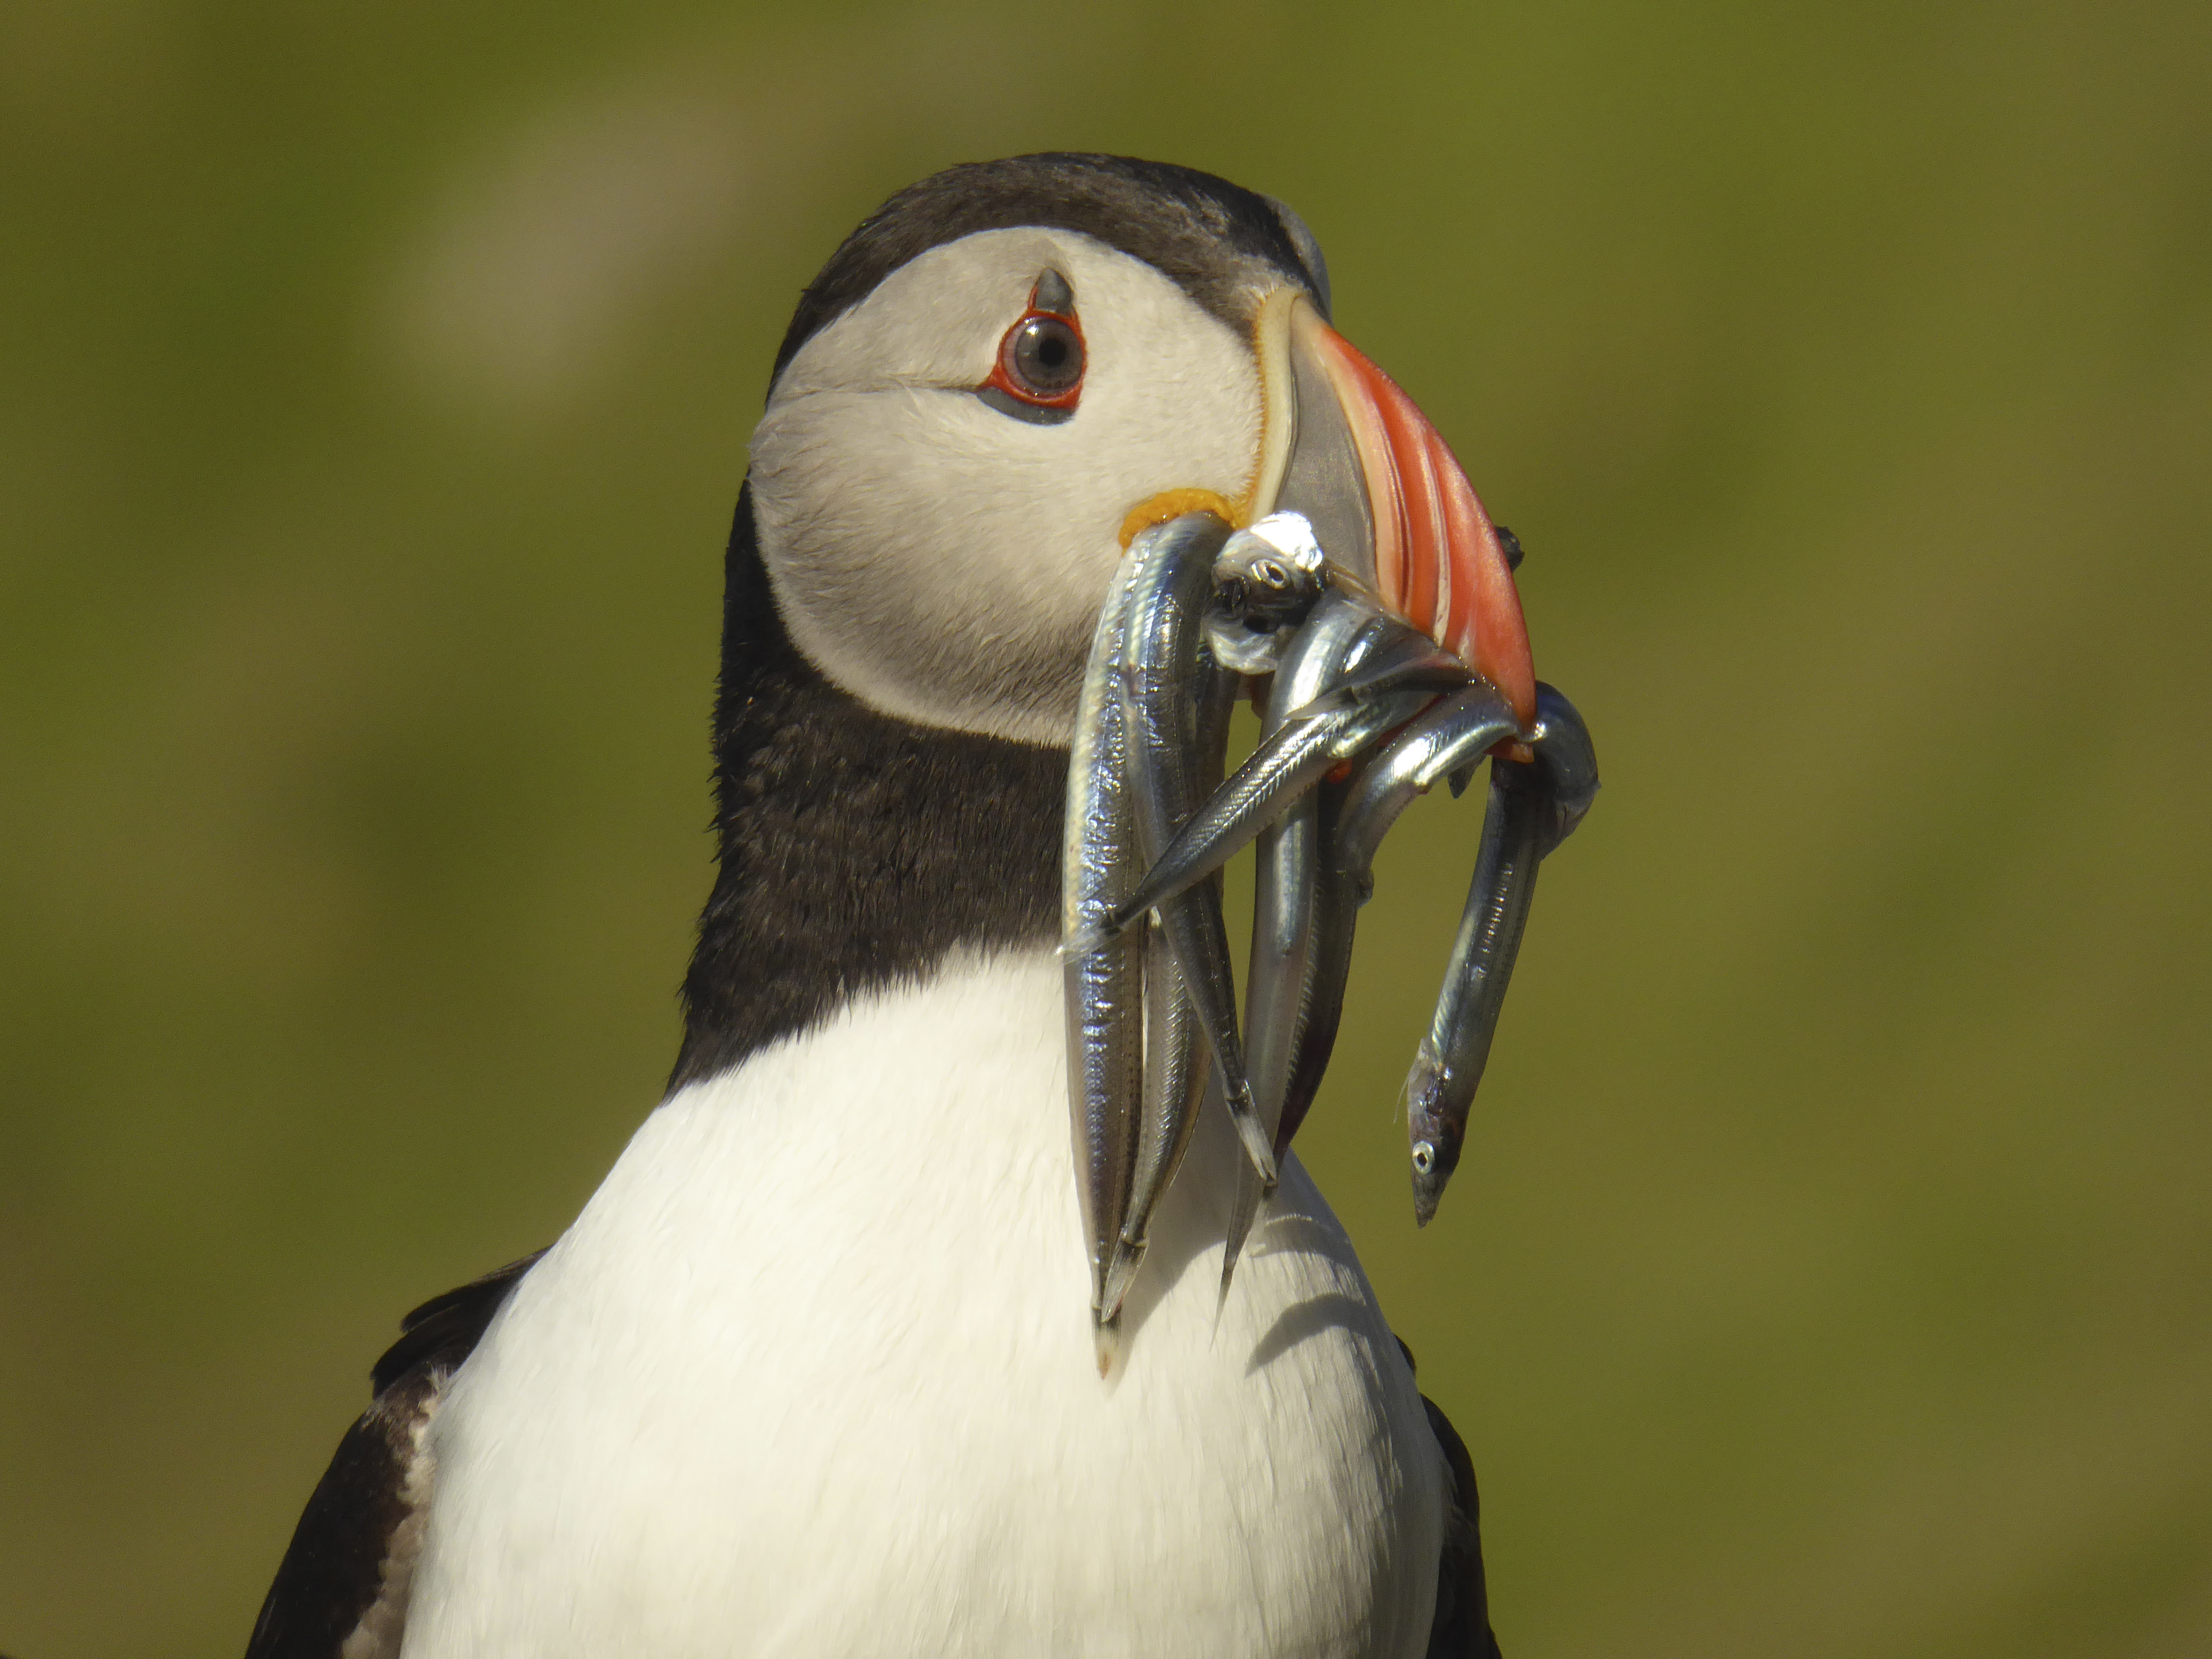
[1437, 557]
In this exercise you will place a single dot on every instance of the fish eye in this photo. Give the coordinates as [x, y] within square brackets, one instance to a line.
[1042, 356]
[1271, 574]
[1425, 1157]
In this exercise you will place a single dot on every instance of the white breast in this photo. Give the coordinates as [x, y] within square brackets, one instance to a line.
[812, 1374]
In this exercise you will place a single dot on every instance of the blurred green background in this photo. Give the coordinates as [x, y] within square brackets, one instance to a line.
[1832, 1273]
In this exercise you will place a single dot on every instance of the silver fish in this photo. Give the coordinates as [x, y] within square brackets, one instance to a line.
[1401, 673]
[1341, 640]
[1533, 806]
[1178, 1078]
[1454, 731]
[1266, 580]
[1176, 704]
[1562, 742]
[1102, 969]
[1161, 687]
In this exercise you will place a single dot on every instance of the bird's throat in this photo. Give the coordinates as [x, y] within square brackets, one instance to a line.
[856, 849]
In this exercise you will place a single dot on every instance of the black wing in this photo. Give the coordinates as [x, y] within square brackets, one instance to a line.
[1461, 1627]
[1461, 1630]
[351, 1556]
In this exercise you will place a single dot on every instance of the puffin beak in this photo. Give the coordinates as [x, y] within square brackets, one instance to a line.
[1387, 499]
[1368, 705]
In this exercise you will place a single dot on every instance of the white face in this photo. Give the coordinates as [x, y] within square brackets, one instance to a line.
[943, 560]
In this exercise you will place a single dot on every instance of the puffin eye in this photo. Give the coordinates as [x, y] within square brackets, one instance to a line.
[1043, 356]
[1039, 373]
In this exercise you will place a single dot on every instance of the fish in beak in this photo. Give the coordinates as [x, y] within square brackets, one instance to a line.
[1381, 610]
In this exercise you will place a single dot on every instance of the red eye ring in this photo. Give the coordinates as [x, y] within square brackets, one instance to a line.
[1043, 347]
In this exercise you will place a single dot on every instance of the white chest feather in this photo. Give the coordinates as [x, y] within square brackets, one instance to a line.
[813, 1374]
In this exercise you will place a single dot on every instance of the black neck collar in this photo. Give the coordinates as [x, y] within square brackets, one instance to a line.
[855, 849]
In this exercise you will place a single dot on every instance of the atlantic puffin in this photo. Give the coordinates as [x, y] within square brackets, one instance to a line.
[813, 1372]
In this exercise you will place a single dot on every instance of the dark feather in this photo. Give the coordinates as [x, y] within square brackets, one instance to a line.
[1206, 233]
[855, 849]
[1461, 1629]
[343, 1556]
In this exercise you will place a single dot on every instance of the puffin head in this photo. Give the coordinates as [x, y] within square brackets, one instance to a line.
[1013, 367]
